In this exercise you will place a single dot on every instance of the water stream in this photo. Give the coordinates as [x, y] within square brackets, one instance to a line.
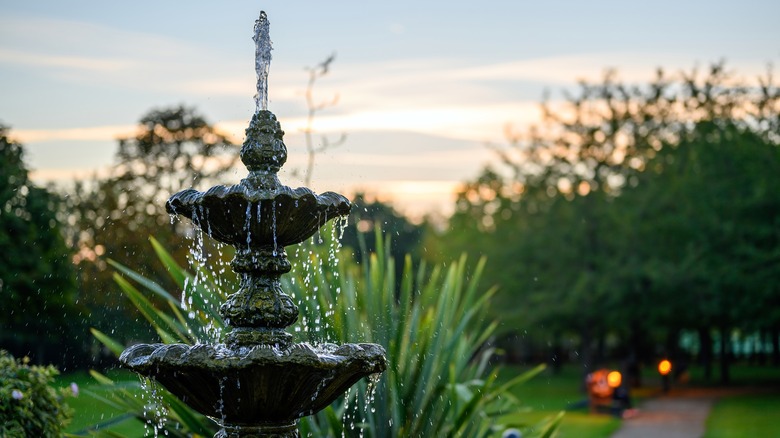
[262, 39]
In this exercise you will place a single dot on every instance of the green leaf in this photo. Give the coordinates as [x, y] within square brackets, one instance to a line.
[102, 379]
[114, 346]
[174, 270]
[163, 324]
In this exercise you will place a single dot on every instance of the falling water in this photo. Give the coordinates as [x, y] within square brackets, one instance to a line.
[248, 224]
[273, 227]
[262, 40]
[155, 410]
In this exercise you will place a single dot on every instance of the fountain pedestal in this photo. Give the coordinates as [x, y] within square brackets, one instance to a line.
[258, 383]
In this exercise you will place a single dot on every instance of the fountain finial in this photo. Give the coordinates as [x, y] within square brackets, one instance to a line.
[262, 39]
[264, 149]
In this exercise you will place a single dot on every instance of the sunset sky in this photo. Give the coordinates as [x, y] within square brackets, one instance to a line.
[422, 86]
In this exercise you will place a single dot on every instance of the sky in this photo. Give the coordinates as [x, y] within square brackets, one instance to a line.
[423, 87]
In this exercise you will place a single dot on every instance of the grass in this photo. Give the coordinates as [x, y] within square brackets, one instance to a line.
[90, 411]
[744, 416]
[548, 394]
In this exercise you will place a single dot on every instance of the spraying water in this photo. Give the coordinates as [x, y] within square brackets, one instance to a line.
[262, 39]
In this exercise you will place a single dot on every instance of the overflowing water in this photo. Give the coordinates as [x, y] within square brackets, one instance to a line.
[318, 282]
[262, 40]
[155, 411]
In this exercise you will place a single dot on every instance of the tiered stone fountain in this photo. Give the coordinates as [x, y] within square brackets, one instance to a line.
[258, 383]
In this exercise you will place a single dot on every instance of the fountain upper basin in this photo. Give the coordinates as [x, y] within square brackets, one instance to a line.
[245, 216]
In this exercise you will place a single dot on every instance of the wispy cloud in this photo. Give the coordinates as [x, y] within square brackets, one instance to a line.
[87, 134]
[479, 123]
[44, 176]
[82, 52]
[98, 64]
[483, 122]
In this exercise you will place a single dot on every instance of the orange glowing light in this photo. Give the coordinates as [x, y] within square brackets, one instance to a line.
[613, 379]
[664, 367]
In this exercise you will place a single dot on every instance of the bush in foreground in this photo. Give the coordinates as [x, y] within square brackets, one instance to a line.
[29, 407]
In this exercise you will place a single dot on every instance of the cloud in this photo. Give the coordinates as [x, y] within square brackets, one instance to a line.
[87, 134]
[636, 67]
[43, 176]
[484, 122]
[478, 123]
[97, 64]
[87, 53]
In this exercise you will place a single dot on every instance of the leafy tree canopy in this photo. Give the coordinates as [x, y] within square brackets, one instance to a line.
[112, 217]
[37, 282]
[633, 210]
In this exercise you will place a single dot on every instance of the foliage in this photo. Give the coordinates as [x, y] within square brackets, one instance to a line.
[439, 382]
[113, 216]
[598, 219]
[37, 281]
[88, 411]
[28, 405]
[550, 393]
[369, 214]
[173, 322]
[711, 239]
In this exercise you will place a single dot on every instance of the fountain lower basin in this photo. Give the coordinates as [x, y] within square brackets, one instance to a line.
[256, 384]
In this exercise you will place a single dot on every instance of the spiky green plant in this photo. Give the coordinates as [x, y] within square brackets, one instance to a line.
[434, 327]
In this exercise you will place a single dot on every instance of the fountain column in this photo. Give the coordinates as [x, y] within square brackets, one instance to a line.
[259, 311]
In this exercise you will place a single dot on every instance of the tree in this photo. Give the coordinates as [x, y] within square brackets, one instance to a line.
[367, 217]
[40, 317]
[712, 202]
[113, 217]
[571, 255]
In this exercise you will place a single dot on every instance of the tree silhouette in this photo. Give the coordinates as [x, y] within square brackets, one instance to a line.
[40, 317]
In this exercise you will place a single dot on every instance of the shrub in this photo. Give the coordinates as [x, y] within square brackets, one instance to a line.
[29, 407]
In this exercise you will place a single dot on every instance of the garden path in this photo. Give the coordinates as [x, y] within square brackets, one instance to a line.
[679, 414]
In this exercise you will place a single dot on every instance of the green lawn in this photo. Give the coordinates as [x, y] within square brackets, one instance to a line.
[745, 416]
[750, 415]
[89, 410]
[546, 395]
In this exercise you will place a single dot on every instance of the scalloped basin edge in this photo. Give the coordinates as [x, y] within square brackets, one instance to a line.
[258, 384]
[238, 216]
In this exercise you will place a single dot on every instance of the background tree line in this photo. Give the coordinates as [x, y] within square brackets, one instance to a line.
[633, 213]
